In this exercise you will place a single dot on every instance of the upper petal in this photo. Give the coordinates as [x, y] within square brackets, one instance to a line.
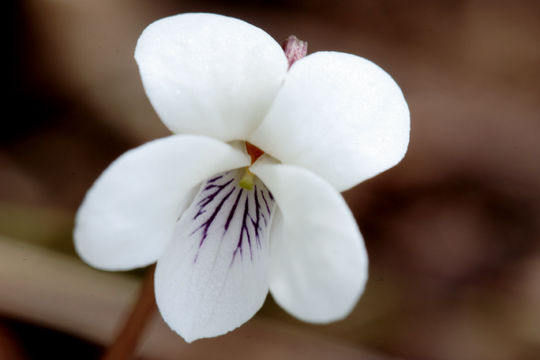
[210, 74]
[214, 275]
[128, 215]
[319, 264]
[339, 115]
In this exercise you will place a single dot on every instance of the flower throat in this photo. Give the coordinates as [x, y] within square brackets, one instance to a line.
[247, 181]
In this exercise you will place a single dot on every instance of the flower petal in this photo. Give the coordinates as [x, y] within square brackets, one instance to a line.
[340, 116]
[213, 276]
[319, 263]
[210, 74]
[128, 216]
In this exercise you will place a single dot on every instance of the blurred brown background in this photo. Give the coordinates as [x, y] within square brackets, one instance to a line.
[453, 232]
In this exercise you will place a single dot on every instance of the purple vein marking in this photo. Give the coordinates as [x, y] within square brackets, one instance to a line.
[210, 197]
[252, 223]
[265, 202]
[215, 178]
[244, 229]
[258, 214]
[233, 209]
[220, 199]
[206, 225]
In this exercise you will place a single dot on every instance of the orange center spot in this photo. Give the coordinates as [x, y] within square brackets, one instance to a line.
[254, 152]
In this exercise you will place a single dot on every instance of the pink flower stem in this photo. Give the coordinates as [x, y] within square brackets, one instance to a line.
[125, 345]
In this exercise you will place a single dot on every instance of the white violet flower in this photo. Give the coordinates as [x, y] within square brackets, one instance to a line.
[246, 199]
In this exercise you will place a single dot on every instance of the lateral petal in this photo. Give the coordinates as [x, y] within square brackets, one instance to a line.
[319, 263]
[338, 115]
[210, 74]
[128, 216]
[213, 277]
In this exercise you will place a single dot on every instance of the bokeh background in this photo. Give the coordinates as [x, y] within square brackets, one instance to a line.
[453, 231]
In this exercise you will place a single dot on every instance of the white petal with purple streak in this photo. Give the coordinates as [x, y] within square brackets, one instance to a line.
[213, 277]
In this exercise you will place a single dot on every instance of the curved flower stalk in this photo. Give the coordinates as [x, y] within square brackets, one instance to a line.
[245, 198]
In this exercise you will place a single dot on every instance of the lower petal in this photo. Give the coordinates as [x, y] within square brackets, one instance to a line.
[319, 262]
[213, 277]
